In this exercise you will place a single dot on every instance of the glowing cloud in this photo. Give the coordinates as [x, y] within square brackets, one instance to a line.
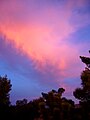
[42, 31]
[43, 38]
[45, 31]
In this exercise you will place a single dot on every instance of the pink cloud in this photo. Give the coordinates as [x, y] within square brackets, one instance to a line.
[41, 34]
[39, 38]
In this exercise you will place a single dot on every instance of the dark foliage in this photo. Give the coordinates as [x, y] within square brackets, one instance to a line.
[86, 60]
[51, 106]
[5, 87]
[83, 93]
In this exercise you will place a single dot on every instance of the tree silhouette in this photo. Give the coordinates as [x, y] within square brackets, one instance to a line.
[53, 98]
[83, 93]
[21, 102]
[86, 60]
[5, 87]
[51, 106]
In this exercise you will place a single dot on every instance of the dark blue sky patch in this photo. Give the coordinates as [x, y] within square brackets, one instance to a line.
[80, 15]
[81, 36]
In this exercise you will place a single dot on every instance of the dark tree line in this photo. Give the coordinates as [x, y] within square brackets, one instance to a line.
[51, 106]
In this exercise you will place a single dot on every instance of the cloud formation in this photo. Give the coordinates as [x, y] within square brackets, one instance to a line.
[44, 35]
[44, 40]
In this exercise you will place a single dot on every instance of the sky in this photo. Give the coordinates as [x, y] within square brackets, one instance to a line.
[40, 45]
